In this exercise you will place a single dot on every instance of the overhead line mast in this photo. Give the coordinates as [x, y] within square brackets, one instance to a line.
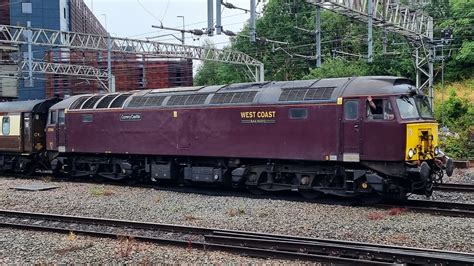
[394, 17]
[16, 35]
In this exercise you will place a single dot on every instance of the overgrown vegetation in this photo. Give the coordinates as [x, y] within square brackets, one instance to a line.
[100, 192]
[457, 115]
[281, 17]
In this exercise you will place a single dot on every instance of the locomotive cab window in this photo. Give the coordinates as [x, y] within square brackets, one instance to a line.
[61, 117]
[298, 113]
[6, 126]
[351, 111]
[379, 109]
[52, 118]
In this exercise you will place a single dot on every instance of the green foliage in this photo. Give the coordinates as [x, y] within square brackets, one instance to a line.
[458, 16]
[214, 73]
[458, 115]
[280, 21]
[338, 68]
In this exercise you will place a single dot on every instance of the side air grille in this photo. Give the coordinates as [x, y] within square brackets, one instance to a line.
[311, 94]
[146, 101]
[104, 103]
[192, 99]
[118, 102]
[236, 97]
[89, 104]
[77, 103]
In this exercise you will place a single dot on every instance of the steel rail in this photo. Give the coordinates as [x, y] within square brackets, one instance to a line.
[451, 187]
[453, 209]
[247, 243]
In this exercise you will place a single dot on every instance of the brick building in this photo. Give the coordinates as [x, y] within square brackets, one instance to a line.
[131, 72]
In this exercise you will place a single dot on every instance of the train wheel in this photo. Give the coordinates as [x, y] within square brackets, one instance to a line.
[30, 169]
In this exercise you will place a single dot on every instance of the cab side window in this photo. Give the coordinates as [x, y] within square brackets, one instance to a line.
[61, 117]
[6, 126]
[52, 117]
[379, 109]
[351, 109]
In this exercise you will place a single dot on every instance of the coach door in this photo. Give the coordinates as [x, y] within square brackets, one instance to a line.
[27, 143]
[351, 131]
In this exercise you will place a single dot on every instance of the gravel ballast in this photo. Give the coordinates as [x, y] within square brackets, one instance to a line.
[224, 212]
[27, 247]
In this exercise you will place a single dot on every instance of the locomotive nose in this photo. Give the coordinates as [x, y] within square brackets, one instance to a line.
[421, 141]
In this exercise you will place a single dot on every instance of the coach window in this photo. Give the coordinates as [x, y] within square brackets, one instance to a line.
[351, 110]
[6, 126]
[61, 117]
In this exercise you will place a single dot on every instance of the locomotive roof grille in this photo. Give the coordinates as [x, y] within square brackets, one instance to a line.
[309, 94]
[234, 97]
[105, 102]
[78, 103]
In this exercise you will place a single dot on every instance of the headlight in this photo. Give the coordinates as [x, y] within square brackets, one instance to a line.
[411, 153]
[436, 151]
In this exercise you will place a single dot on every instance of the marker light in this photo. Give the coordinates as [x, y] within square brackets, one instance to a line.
[436, 151]
[411, 153]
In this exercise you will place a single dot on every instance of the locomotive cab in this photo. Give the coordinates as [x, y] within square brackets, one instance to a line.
[423, 156]
[401, 143]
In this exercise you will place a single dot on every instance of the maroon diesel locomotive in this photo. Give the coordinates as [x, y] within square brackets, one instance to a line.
[346, 136]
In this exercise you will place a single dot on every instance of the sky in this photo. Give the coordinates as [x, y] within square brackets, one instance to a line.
[134, 18]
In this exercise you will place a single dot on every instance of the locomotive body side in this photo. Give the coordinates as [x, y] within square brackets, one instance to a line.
[258, 132]
[316, 137]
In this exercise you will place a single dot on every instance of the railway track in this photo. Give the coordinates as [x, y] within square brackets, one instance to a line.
[454, 209]
[245, 243]
[450, 187]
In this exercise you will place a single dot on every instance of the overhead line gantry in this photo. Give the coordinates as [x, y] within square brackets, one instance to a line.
[16, 35]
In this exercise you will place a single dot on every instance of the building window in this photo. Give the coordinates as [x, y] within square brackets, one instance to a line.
[6, 126]
[26, 8]
[298, 113]
[64, 13]
[351, 110]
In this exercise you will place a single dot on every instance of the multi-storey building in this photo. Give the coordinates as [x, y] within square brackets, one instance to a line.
[131, 72]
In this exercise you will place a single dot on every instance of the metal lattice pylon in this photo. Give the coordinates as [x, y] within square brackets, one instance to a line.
[395, 17]
[15, 35]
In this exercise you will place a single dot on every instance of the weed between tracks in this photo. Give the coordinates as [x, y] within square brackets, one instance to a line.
[382, 215]
[126, 246]
[236, 212]
[100, 192]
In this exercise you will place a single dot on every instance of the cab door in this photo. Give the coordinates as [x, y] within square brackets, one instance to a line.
[61, 131]
[51, 131]
[351, 131]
